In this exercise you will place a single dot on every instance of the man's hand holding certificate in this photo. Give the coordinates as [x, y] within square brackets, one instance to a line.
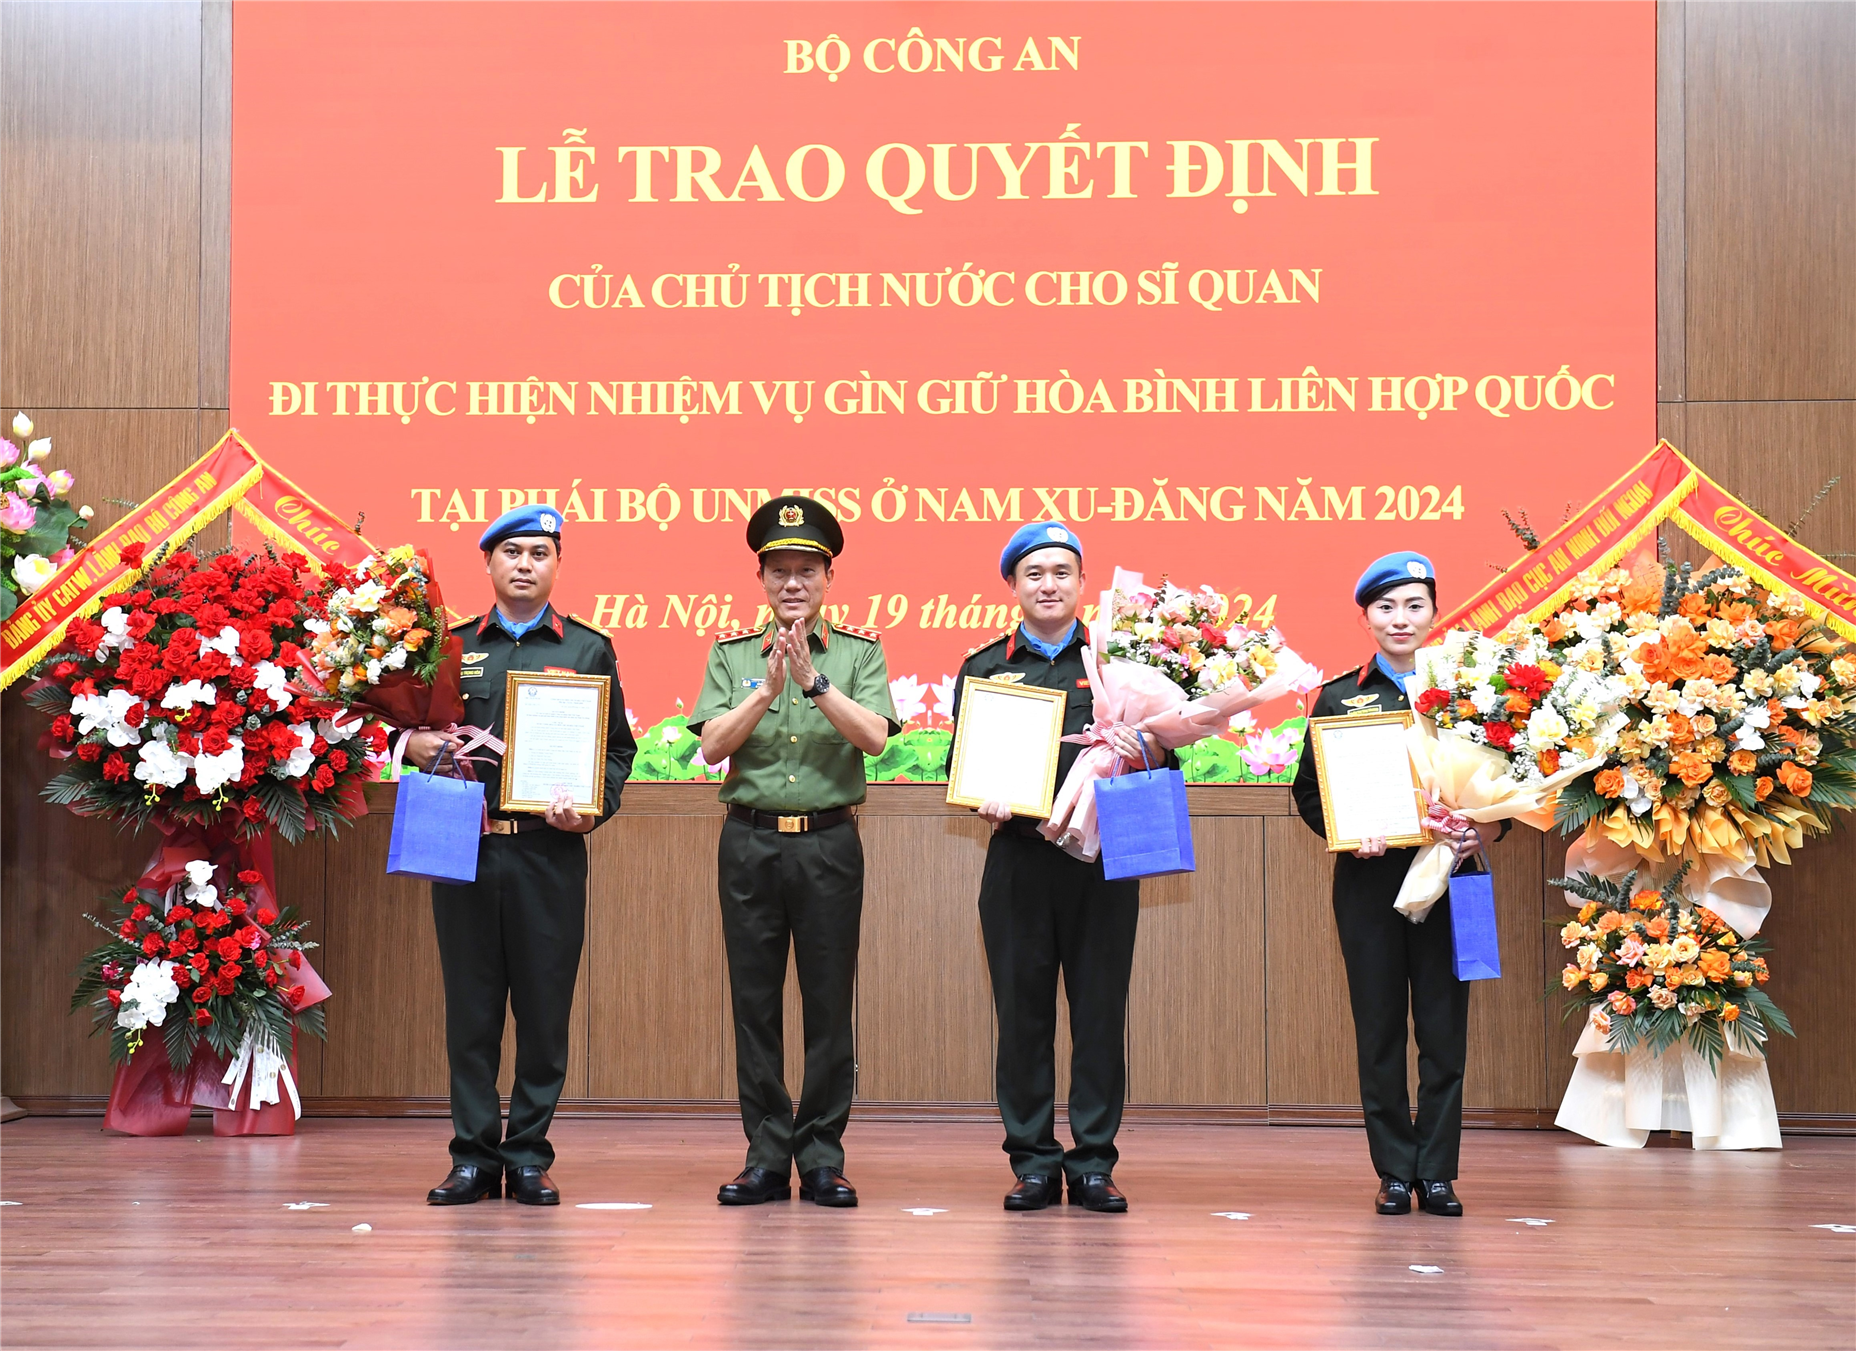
[1006, 747]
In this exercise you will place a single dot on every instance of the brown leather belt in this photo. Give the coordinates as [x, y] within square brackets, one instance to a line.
[792, 825]
[501, 825]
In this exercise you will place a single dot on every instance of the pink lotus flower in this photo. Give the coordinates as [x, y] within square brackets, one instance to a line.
[943, 697]
[906, 692]
[1311, 679]
[1269, 753]
[62, 481]
[9, 454]
[16, 514]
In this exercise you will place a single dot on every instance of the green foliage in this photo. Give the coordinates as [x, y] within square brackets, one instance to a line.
[916, 755]
[667, 753]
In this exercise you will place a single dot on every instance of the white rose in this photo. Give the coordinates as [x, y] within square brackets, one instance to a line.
[1545, 728]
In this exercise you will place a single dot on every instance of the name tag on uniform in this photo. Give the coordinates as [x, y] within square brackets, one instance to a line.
[470, 673]
[559, 670]
[751, 682]
[1082, 684]
[470, 659]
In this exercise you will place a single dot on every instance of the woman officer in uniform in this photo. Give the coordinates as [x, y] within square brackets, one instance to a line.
[1394, 965]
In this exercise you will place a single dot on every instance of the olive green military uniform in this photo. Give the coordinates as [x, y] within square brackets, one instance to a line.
[513, 936]
[789, 878]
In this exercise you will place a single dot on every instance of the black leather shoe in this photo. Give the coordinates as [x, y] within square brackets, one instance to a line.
[1097, 1191]
[754, 1186]
[466, 1183]
[1438, 1198]
[1034, 1192]
[532, 1186]
[827, 1187]
[1394, 1196]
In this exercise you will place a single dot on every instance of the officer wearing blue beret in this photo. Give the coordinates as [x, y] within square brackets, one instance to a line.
[1393, 965]
[513, 937]
[1044, 913]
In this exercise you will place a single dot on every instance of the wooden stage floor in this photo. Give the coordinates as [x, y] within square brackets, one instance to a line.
[192, 1242]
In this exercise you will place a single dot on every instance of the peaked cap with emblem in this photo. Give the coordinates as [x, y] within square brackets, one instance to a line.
[794, 522]
[535, 519]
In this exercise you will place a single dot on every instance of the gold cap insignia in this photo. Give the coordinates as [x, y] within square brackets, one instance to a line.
[792, 515]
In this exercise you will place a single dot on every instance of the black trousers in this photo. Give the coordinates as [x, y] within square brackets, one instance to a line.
[1042, 912]
[803, 892]
[1394, 966]
[511, 938]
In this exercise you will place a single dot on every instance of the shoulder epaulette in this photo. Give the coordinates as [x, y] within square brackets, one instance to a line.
[589, 624]
[858, 631]
[998, 637]
[1350, 671]
[734, 635]
[457, 624]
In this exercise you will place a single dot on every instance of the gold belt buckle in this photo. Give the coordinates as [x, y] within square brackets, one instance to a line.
[794, 825]
[498, 826]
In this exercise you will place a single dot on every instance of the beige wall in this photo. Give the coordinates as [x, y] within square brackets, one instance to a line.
[114, 267]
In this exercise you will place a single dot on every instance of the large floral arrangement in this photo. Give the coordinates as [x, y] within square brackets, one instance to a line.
[1741, 717]
[39, 528]
[1191, 638]
[1651, 969]
[175, 705]
[227, 960]
[1509, 693]
[380, 646]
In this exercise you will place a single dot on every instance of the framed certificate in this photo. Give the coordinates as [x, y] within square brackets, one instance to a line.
[554, 734]
[1005, 746]
[1369, 787]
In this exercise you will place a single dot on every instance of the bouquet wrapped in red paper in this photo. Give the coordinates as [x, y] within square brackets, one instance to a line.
[380, 648]
[1171, 663]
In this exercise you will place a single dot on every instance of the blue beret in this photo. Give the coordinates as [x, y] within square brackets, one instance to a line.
[1038, 535]
[534, 519]
[1394, 570]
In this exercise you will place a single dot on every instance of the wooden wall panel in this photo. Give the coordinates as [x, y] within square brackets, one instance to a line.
[1671, 237]
[1507, 1057]
[1310, 1026]
[1813, 931]
[1777, 455]
[101, 256]
[1770, 111]
[1196, 1006]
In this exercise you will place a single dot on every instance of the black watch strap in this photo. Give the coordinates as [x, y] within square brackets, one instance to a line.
[818, 686]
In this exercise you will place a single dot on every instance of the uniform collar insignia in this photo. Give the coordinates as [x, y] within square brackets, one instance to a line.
[823, 631]
[471, 658]
[1008, 677]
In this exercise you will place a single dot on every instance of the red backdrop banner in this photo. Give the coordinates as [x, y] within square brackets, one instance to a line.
[1246, 294]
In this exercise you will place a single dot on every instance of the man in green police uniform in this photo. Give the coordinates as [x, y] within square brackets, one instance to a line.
[513, 936]
[793, 707]
[1043, 912]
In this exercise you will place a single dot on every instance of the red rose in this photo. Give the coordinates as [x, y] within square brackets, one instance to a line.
[338, 761]
[253, 809]
[294, 996]
[1432, 700]
[199, 961]
[260, 959]
[323, 780]
[243, 677]
[142, 909]
[64, 670]
[126, 929]
[135, 715]
[140, 622]
[267, 917]
[187, 743]
[64, 729]
[1500, 735]
[151, 944]
[132, 554]
[215, 741]
[1213, 637]
[176, 950]
[236, 905]
[90, 751]
[230, 972]
[116, 769]
[270, 978]
[1530, 680]
[250, 876]
[200, 1016]
[227, 947]
[176, 914]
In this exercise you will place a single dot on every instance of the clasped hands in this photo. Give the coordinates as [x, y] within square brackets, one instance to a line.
[791, 652]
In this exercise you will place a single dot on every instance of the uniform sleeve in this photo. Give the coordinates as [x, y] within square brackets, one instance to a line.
[953, 719]
[1307, 786]
[718, 693]
[870, 687]
[621, 746]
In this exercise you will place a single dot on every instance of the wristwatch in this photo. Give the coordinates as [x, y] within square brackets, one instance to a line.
[817, 687]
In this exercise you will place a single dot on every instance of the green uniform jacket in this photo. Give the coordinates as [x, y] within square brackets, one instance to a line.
[557, 643]
[795, 760]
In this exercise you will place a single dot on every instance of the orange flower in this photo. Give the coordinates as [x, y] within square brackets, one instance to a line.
[1796, 780]
[1518, 702]
[1736, 611]
[1610, 782]
[1742, 762]
[1583, 745]
[1681, 730]
[414, 639]
[1658, 928]
[1550, 762]
[1783, 632]
[1646, 900]
[1762, 788]
[1715, 965]
[1687, 651]
[1553, 630]
[1550, 669]
[1791, 736]
[1719, 669]
[1760, 973]
[1644, 593]
[1730, 1013]
[1692, 769]
[1609, 921]
[399, 619]
[1655, 659]
[1692, 607]
[1636, 978]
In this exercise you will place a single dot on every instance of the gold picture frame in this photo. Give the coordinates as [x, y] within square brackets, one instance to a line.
[1019, 729]
[557, 739]
[1375, 756]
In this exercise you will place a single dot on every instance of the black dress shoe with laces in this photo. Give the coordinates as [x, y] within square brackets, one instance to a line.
[754, 1186]
[1439, 1198]
[827, 1187]
[1034, 1192]
[1097, 1191]
[532, 1186]
[1394, 1196]
[466, 1183]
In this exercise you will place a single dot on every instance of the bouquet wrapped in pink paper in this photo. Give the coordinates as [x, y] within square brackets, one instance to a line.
[1173, 664]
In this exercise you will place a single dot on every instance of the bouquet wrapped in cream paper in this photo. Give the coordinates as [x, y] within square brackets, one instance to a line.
[1171, 663]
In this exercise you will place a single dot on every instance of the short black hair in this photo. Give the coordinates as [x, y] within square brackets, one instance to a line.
[1386, 588]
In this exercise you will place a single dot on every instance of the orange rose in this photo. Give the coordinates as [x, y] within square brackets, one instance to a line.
[1644, 593]
[399, 619]
[1655, 659]
[1553, 630]
[1518, 702]
[1692, 607]
[1549, 762]
[1692, 769]
[1762, 788]
[1687, 651]
[1658, 928]
[1609, 782]
[1791, 736]
[1719, 669]
[1646, 900]
[1742, 762]
[1736, 611]
[1465, 709]
[1730, 1013]
[1796, 780]
[1715, 965]
[414, 639]
[1783, 632]
[1609, 921]
[1681, 730]
[1636, 978]
[1759, 970]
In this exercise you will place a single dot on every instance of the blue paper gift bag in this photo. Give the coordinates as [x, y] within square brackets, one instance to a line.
[437, 823]
[1144, 826]
[1472, 925]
